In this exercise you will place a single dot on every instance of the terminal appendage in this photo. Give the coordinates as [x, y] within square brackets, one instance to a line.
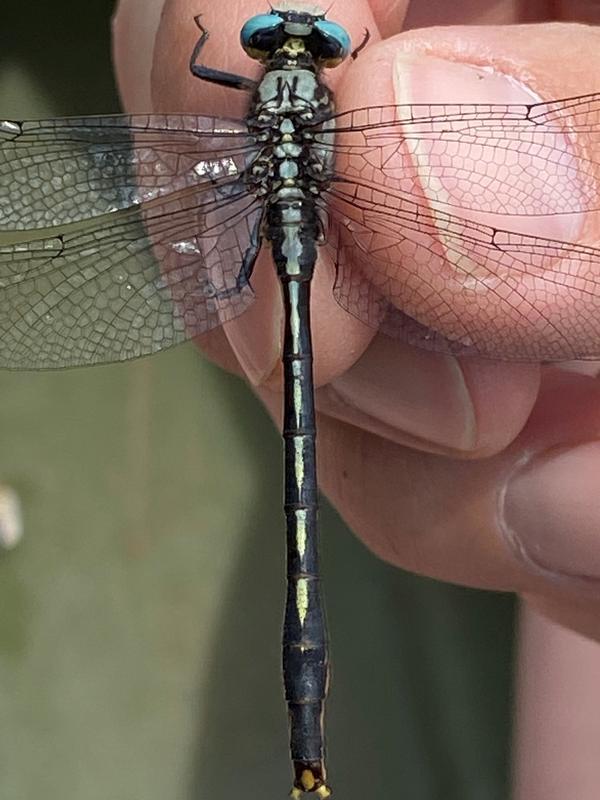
[309, 779]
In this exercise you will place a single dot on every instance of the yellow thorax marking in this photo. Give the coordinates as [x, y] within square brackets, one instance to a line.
[293, 46]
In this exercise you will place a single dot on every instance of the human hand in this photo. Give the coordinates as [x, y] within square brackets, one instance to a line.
[473, 471]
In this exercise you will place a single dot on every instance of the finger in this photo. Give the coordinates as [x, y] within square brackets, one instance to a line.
[135, 21]
[462, 407]
[430, 401]
[578, 11]
[393, 17]
[338, 339]
[256, 339]
[473, 12]
[558, 713]
[390, 15]
[432, 67]
[523, 520]
[408, 68]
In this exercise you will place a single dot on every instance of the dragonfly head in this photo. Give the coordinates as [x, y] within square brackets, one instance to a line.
[295, 34]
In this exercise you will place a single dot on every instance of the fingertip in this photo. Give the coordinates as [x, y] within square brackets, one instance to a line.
[134, 27]
[174, 88]
[466, 408]
[503, 395]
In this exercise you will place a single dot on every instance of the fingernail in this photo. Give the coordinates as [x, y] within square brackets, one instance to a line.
[419, 393]
[472, 178]
[551, 512]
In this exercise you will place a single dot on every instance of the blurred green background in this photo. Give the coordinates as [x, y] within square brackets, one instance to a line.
[140, 616]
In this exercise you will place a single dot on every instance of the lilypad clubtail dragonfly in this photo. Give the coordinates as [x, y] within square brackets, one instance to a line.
[124, 235]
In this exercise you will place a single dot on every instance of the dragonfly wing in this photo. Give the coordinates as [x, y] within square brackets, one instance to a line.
[120, 235]
[58, 171]
[128, 285]
[452, 285]
[538, 159]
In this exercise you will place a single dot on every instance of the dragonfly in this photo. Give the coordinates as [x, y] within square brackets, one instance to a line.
[124, 235]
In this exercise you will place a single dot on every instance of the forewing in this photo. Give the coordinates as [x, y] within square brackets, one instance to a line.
[57, 171]
[120, 236]
[526, 160]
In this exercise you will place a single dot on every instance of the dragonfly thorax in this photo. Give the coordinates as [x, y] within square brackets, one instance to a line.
[286, 107]
[298, 95]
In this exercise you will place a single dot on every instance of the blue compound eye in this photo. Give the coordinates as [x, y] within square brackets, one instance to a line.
[334, 45]
[261, 35]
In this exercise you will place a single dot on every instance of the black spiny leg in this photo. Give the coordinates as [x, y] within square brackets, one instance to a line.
[362, 45]
[250, 256]
[228, 79]
[243, 277]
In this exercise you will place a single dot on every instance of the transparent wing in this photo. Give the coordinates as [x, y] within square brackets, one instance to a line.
[435, 213]
[58, 171]
[452, 285]
[126, 236]
[536, 159]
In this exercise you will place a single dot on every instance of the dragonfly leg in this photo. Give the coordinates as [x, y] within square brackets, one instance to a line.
[243, 277]
[251, 254]
[362, 45]
[211, 75]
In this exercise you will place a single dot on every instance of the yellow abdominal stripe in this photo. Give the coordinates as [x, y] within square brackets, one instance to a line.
[301, 532]
[302, 601]
[299, 461]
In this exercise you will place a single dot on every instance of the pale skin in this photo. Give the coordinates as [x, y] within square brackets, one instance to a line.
[478, 472]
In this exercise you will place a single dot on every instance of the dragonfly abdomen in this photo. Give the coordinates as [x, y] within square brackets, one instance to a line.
[290, 172]
[305, 654]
